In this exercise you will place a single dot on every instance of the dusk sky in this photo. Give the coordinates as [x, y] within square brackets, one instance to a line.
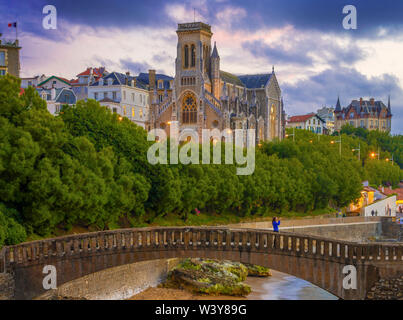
[315, 58]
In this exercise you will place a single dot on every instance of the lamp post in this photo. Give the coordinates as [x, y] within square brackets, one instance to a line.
[390, 159]
[293, 134]
[337, 141]
[373, 154]
[359, 151]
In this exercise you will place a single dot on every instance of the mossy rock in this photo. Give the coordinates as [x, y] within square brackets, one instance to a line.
[209, 277]
[258, 271]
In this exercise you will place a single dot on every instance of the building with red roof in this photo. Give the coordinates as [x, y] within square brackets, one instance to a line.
[311, 122]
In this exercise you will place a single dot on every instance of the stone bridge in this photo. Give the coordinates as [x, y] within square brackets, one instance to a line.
[315, 259]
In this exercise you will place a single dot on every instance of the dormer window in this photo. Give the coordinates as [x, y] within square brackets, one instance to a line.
[352, 115]
[110, 81]
[160, 84]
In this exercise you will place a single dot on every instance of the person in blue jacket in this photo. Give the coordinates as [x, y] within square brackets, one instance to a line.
[276, 222]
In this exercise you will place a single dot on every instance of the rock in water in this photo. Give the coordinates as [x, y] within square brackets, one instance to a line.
[258, 271]
[209, 277]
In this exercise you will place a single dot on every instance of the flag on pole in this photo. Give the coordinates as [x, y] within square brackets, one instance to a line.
[13, 24]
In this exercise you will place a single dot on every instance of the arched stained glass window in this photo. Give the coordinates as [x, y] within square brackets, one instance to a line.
[189, 109]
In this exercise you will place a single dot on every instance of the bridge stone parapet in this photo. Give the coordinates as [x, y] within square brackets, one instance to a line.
[316, 259]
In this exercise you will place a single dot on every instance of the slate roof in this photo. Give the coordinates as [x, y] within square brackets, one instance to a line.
[59, 97]
[255, 81]
[144, 78]
[230, 78]
[120, 79]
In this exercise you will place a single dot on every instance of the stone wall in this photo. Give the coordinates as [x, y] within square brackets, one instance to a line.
[387, 289]
[381, 206]
[115, 283]
[6, 286]
[357, 229]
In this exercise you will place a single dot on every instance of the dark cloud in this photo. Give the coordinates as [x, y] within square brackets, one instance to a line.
[301, 50]
[320, 15]
[323, 89]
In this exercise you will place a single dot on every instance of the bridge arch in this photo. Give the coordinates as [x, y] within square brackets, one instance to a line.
[315, 259]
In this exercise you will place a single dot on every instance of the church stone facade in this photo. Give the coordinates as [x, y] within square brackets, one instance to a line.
[204, 97]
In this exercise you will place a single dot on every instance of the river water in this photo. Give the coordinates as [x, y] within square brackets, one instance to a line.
[282, 286]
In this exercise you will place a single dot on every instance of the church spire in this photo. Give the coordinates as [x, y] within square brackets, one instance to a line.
[338, 106]
[215, 51]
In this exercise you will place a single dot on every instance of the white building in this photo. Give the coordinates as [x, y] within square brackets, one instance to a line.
[54, 82]
[124, 95]
[33, 81]
[56, 98]
[311, 122]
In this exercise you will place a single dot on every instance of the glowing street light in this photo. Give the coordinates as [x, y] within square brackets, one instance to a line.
[373, 154]
[359, 151]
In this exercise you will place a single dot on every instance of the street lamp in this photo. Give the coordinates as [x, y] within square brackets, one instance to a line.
[293, 134]
[337, 141]
[373, 154]
[390, 159]
[359, 151]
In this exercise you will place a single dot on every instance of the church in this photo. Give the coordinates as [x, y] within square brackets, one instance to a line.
[204, 97]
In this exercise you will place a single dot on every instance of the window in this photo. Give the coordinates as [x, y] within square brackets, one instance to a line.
[133, 113]
[2, 58]
[314, 121]
[114, 95]
[54, 82]
[141, 113]
[160, 83]
[105, 94]
[186, 57]
[362, 123]
[189, 109]
[352, 115]
[124, 110]
[30, 83]
[2, 72]
[132, 96]
[124, 95]
[115, 110]
[57, 108]
[96, 95]
[160, 97]
[193, 55]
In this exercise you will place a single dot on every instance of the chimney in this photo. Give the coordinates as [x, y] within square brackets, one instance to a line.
[372, 101]
[360, 102]
[134, 82]
[128, 74]
[53, 93]
[151, 79]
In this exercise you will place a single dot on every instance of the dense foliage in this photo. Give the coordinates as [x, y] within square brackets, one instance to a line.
[391, 145]
[89, 168]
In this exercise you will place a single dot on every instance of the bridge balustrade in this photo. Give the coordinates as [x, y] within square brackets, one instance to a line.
[194, 238]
